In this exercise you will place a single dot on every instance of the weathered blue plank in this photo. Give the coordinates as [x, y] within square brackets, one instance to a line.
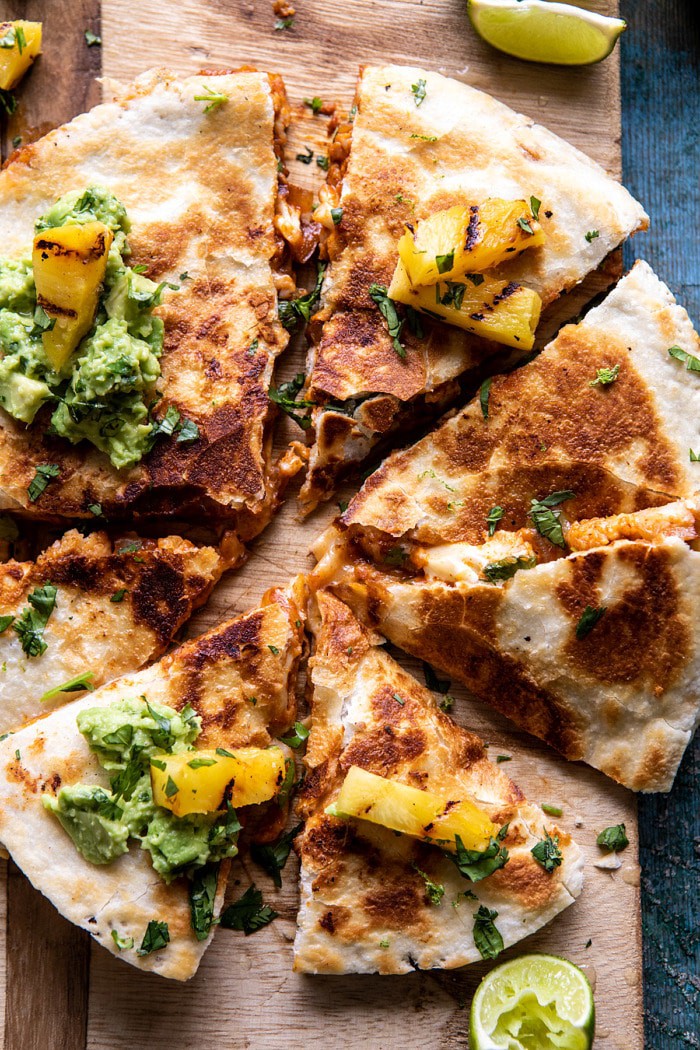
[661, 164]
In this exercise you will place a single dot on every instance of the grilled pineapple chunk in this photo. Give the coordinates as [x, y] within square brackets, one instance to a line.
[20, 43]
[505, 312]
[69, 268]
[200, 781]
[467, 239]
[412, 811]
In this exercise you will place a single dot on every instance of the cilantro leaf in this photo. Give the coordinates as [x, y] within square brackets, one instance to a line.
[525, 225]
[486, 937]
[30, 625]
[419, 91]
[535, 207]
[79, 684]
[157, 936]
[387, 308]
[202, 897]
[484, 391]
[434, 891]
[285, 395]
[691, 363]
[292, 311]
[614, 839]
[5, 622]
[605, 376]
[93, 40]
[545, 520]
[45, 474]
[492, 519]
[118, 596]
[476, 865]
[591, 235]
[547, 852]
[123, 943]
[298, 737]
[506, 568]
[315, 104]
[248, 913]
[588, 619]
[273, 857]
[214, 99]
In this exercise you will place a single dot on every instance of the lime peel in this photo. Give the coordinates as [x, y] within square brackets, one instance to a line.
[534, 1000]
[543, 31]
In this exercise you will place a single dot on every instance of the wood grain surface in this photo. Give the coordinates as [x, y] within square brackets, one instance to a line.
[245, 994]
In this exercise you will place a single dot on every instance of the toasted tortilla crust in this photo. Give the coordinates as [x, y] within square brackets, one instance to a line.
[162, 582]
[397, 174]
[624, 698]
[218, 674]
[622, 447]
[200, 191]
[360, 885]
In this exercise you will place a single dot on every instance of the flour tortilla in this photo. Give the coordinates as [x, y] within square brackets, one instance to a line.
[363, 905]
[158, 585]
[620, 447]
[624, 698]
[397, 174]
[218, 674]
[200, 189]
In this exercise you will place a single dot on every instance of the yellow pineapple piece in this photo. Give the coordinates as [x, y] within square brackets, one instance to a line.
[505, 312]
[20, 43]
[411, 811]
[466, 239]
[69, 267]
[200, 781]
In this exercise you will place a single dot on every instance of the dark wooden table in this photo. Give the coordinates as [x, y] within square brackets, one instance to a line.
[661, 164]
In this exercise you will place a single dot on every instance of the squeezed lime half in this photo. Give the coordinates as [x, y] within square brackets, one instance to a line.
[535, 1002]
[540, 31]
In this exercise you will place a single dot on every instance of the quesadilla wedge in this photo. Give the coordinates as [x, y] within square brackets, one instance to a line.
[608, 411]
[595, 651]
[76, 805]
[152, 219]
[420, 143]
[372, 900]
[88, 610]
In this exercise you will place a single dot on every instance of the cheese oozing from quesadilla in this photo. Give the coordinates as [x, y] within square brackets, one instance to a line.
[373, 901]
[88, 610]
[76, 785]
[194, 165]
[401, 160]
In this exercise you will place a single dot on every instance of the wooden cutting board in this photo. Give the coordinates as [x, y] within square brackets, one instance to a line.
[61, 990]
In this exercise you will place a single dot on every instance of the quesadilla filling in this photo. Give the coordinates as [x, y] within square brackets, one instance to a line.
[127, 737]
[77, 330]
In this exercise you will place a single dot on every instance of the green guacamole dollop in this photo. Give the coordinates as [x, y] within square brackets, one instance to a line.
[101, 820]
[103, 393]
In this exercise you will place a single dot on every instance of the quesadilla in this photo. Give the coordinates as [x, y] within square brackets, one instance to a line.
[530, 547]
[373, 900]
[157, 211]
[420, 142]
[596, 651]
[88, 610]
[233, 688]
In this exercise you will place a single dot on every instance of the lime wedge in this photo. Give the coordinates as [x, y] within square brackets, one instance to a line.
[536, 1002]
[540, 31]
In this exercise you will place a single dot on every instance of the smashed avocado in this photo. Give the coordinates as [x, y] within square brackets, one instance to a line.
[125, 736]
[103, 393]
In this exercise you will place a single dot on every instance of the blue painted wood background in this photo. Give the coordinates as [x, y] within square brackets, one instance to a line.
[661, 166]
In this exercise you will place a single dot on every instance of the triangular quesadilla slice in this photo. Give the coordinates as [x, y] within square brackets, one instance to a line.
[421, 143]
[80, 777]
[595, 651]
[373, 900]
[155, 242]
[608, 411]
[89, 609]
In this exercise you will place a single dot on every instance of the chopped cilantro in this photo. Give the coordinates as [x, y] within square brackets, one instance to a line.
[544, 518]
[476, 865]
[387, 308]
[425, 138]
[445, 262]
[214, 99]
[323, 161]
[614, 839]
[547, 852]
[297, 738]
[5, 622]
[292, 311]
[203, 886]
[157, 936]
[434, 891]
[273, 857]
[535, 207]
[506, 568]
[419, 91]
[248, 913]
[492, 519]
[306, 158]
[484, 392]
[123, 943]
[285, 395]
[486, 937]
[336, 215]
[525, 225]
[118, 596]
[45, 474]
[79, 684]
[691, 363]
[315, 104]
[93, 40]
[605, 376]
[588, 619]
[30, 625]
[591, 235]
[284, 23]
